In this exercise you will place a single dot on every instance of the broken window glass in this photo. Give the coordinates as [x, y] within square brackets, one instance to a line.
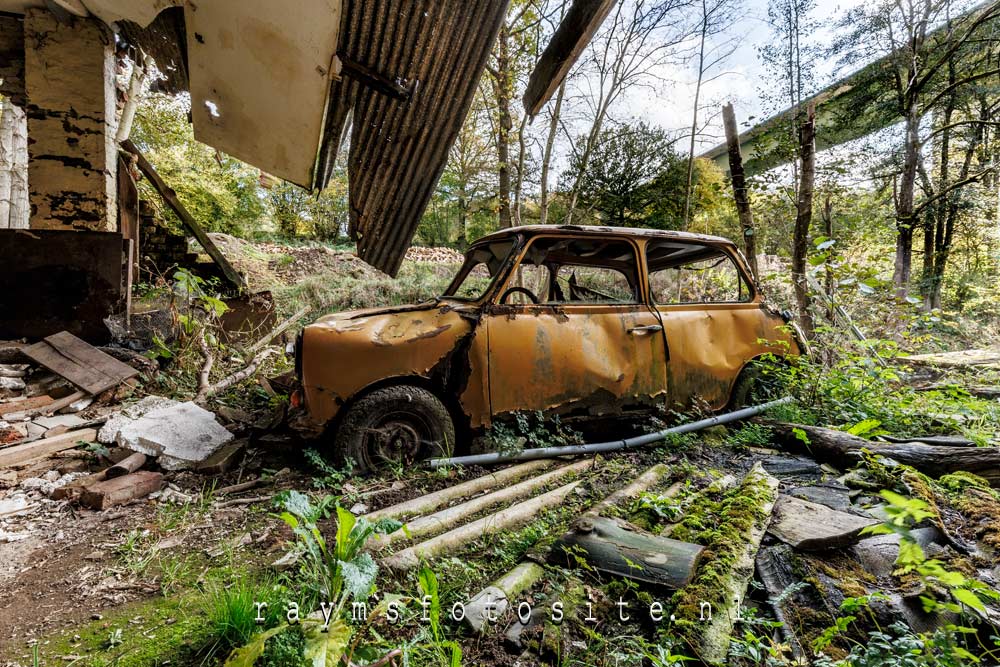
[577, 271]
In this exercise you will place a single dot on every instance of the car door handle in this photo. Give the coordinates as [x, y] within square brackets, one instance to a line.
[649, 328]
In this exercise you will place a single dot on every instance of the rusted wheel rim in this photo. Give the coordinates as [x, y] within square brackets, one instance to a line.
[397, 437]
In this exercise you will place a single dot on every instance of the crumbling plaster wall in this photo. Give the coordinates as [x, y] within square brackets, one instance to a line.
[70, 90]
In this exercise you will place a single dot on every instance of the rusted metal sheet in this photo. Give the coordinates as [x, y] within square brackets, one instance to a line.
[489, 359]
[400, 147]
[357, 350]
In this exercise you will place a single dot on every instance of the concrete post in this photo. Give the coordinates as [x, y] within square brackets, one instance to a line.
[70, 88]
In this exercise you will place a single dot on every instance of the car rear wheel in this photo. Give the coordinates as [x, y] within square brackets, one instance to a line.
[394, 425]
[759, 381]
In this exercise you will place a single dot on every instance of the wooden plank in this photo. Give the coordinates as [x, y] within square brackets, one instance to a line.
[15, 407]
[121, 490]
[80, 363]
[127, 465]
[33, 450]
[810, 526]
[74, 489]
[170, 197]
[223, 459]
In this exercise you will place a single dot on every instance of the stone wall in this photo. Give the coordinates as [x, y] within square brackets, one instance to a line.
[160, 248]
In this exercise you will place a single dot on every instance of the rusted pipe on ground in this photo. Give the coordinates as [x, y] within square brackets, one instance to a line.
[612, 445]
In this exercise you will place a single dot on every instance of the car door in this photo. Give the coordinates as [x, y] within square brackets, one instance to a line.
[590, 345]
[712, 318]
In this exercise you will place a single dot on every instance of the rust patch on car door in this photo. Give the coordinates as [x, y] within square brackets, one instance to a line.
[574, 356]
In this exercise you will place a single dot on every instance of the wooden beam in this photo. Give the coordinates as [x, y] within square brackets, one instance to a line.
[121, 490]
[19, 454]
[570, 39]
[170, 197]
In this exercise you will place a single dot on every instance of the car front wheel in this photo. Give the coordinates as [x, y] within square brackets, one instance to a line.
[395, 425]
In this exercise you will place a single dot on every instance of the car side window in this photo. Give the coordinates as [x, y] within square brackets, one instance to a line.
[575, 271]
[682, 273]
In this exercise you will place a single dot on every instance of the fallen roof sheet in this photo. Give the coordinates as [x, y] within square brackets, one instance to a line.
[400, 147]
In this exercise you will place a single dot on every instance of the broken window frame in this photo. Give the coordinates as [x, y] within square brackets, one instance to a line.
[746, 291]
[471, 263]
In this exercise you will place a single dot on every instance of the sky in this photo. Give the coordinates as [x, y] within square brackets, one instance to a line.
[671, 106]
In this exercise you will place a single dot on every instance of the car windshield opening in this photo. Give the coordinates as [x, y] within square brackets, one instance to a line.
[482, 263]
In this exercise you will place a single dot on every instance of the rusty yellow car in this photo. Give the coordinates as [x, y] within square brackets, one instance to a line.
[580, 322]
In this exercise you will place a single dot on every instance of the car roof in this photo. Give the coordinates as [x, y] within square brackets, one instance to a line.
[594, 230]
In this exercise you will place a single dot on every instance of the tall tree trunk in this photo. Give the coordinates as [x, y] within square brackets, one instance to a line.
[740, 188]
[829, 283]
[502, 81]
[905, 205]
[133, 96]
[803, 218]
[519, 181]
[694, 114]
[550, 140]
[6, 160]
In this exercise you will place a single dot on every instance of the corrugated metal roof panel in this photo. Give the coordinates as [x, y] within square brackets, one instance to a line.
[400, 147]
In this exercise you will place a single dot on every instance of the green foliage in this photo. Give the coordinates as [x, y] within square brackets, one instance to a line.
[286, 649]
[218, 190]
[449, 651]
[327, 293]
[326, 476]
[335, 572]
[751, 434]
[635, 178]
[232, 611]
[531, 430]
[902, 514]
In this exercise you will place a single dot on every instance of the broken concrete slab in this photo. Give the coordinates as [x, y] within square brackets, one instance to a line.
[833, 494]
[129, 414]
[223, 459]
[811, 526]
[180, 436]
[14, 505]
[68, 421]
[121, 490]
[10, 386]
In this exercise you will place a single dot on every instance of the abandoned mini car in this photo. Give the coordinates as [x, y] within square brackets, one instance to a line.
[570, 321]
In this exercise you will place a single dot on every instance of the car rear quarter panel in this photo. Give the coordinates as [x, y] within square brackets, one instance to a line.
[710, 344]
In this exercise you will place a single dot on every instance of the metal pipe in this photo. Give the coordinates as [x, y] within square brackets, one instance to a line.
[610, 446]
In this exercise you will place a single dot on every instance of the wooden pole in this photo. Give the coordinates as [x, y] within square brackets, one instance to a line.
[738, 177]
[170, 197]
[803, 219]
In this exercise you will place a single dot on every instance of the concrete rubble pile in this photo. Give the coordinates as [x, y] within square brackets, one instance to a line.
[62, 440]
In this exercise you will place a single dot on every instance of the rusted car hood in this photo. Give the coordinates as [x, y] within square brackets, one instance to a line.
[394, 324]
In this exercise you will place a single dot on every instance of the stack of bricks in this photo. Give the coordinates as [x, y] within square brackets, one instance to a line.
[161, 249]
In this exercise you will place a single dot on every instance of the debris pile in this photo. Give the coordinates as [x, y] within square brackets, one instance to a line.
[66, 396]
